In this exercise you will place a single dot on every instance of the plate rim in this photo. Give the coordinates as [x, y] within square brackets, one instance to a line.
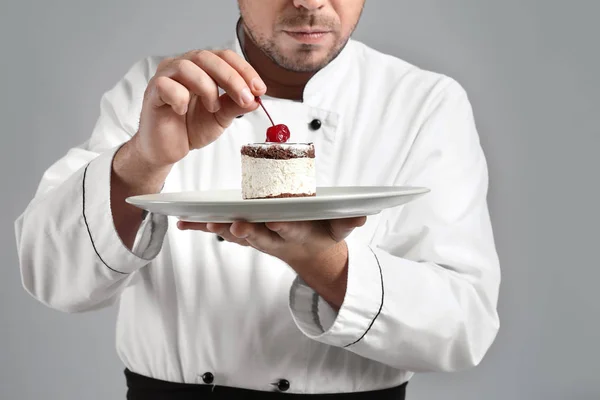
[406, 191]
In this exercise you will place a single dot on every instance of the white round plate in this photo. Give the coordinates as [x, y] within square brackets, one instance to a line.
[228, 205]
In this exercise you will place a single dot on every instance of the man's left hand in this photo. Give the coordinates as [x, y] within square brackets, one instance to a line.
[316, 250]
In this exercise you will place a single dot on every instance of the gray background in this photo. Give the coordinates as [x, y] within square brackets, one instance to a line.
[531, 69]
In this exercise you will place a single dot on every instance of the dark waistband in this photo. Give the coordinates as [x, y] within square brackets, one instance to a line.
[144, 388]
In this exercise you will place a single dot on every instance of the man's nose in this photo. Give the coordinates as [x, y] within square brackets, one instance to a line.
[310, 4]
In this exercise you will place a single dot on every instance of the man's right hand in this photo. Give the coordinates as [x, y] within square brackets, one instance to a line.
[182, 109]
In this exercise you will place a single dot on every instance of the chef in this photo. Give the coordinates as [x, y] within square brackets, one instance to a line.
[348, 308]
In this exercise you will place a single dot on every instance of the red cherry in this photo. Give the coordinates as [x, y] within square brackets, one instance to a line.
[278, 133]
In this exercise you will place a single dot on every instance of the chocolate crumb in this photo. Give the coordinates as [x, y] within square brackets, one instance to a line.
[277, 152]
[284, 196]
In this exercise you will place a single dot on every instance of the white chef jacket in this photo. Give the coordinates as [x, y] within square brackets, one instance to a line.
[423, 278]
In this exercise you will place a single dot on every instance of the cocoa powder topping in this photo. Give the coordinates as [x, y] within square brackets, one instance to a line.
[278, 152]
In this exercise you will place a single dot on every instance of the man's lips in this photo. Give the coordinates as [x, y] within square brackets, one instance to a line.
[312, 29]
[309, 36]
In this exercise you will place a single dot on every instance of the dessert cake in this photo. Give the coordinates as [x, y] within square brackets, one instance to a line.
[275, 168]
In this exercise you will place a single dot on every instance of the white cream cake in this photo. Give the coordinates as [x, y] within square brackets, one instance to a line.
[276, 170]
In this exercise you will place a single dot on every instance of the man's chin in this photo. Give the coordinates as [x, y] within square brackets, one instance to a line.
[303, 62]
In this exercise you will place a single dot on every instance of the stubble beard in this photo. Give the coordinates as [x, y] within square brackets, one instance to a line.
[301, 59]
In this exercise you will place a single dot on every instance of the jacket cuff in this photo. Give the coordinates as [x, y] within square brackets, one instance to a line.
[361, 307]
[97, 216]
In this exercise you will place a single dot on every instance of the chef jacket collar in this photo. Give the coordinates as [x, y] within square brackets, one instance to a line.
[325, 80]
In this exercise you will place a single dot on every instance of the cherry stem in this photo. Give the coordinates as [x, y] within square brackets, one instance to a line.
[263, 107]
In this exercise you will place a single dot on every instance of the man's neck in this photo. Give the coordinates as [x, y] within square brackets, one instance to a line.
[281, 83]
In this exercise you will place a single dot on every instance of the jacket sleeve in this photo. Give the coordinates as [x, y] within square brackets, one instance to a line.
[71, 257]
[422, 296]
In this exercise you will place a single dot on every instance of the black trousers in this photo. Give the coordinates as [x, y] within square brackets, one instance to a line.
[144, 388]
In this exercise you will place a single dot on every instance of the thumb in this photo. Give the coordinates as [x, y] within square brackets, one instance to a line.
[342, 228]
[230, 110]
[205, 127]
